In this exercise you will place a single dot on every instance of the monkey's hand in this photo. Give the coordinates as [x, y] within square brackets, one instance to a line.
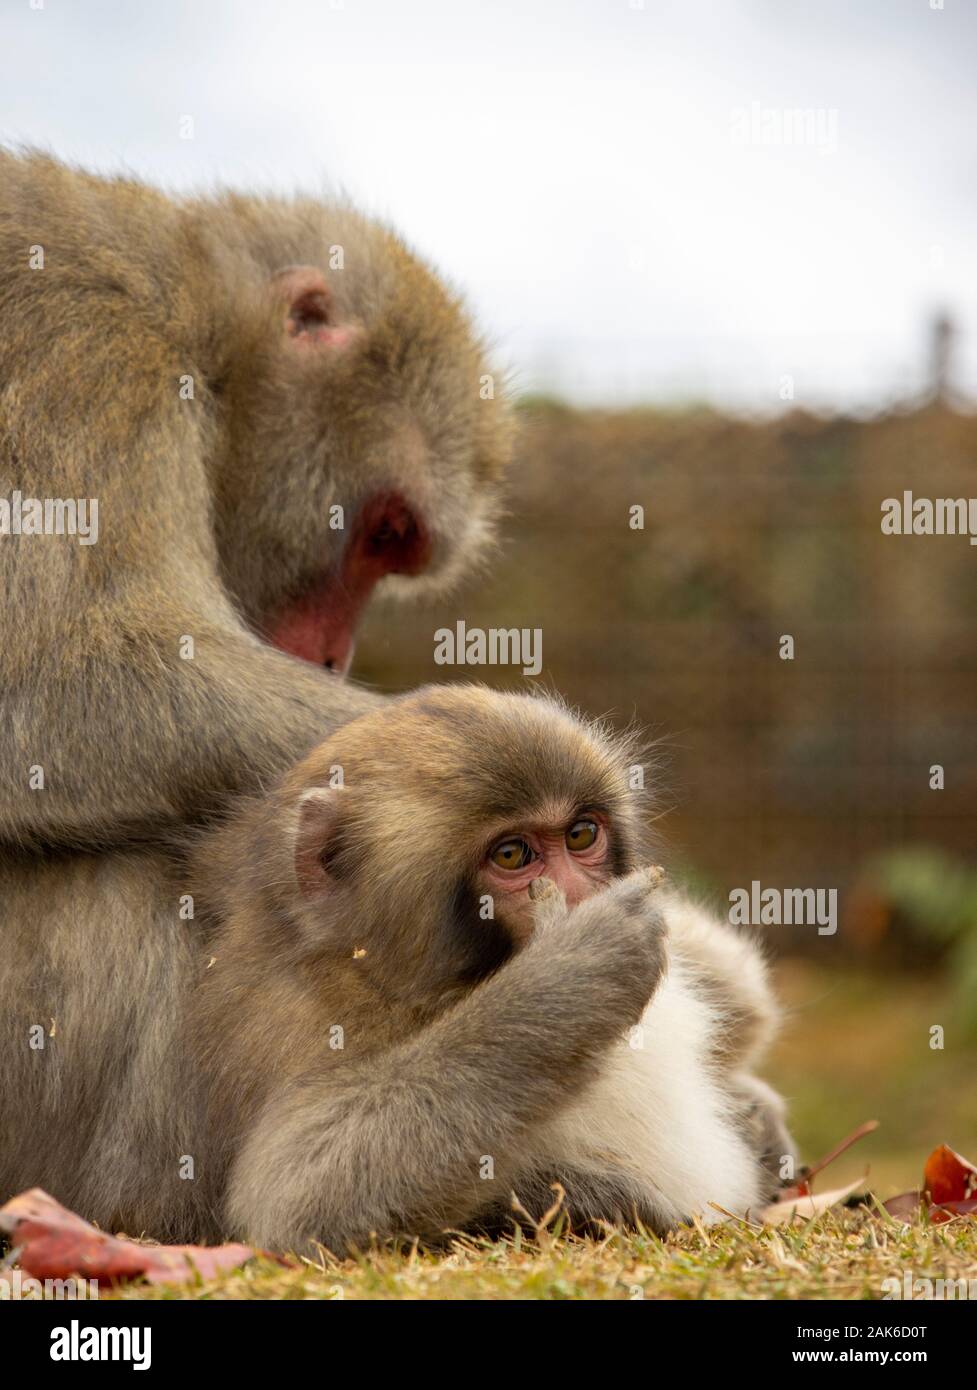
[624, 922]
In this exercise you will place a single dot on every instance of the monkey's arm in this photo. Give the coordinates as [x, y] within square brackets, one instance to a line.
[128, 735]
[100, 693]
[400, 1144]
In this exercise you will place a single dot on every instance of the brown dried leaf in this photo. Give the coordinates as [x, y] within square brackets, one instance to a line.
[905, 1206]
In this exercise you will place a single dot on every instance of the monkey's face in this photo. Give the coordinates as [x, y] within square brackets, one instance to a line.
[362, 447]
[574, 852]
[453, 801]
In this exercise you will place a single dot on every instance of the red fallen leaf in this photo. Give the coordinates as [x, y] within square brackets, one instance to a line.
[949, 1178]
[946, 1211]
[909, 1206]
[53, 1243]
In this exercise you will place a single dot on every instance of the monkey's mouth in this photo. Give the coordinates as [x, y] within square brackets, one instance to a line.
[319, 623]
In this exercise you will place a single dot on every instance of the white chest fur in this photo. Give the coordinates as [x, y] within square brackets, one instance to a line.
[658, 1111]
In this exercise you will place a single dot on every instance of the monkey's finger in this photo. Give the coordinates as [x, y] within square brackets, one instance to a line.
[548, 900]
[635, 888]
[542, 888]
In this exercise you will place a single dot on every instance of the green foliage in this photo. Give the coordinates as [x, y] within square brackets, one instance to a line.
[935, 892]
[932, 896]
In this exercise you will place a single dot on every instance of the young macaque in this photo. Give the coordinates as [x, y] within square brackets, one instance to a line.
[424, 972]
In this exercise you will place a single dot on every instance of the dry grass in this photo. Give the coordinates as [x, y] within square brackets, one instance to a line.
[841, 1255]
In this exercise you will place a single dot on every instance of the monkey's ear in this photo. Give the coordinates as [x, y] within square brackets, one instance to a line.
[318, 817]
[308, 302]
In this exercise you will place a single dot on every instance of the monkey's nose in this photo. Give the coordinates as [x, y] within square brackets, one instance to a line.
[388, 539]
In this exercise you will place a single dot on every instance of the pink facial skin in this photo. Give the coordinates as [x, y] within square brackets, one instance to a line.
[577, 873]
[319, 624]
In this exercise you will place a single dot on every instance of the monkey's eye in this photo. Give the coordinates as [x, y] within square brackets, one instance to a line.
[581, 835]
[512, 854]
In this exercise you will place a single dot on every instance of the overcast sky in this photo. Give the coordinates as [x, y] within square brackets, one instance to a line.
[609, 180]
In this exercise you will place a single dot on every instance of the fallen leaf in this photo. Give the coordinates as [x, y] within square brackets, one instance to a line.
[946, 1211]
[805, 1206]
[905, 1206]
[949, 1190]
[949, 1178]
[51, 1242]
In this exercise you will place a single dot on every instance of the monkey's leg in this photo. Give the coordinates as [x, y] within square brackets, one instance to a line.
[409, 1142]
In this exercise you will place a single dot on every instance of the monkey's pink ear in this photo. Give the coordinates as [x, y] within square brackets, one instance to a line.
[318, 817]
[310, 316]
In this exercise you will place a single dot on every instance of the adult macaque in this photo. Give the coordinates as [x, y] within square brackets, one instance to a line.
[404, 995]
[274, 406]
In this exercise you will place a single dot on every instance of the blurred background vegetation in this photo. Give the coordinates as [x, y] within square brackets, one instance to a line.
[813, 772]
